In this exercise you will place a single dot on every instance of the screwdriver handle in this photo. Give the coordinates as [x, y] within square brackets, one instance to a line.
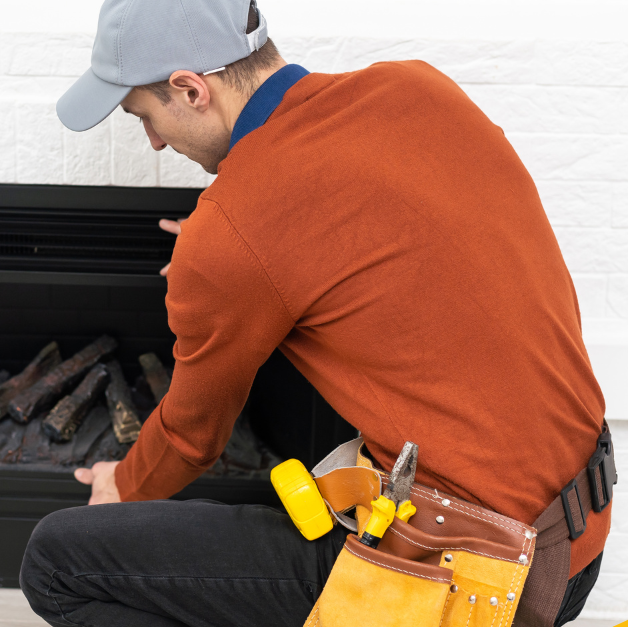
[381, 518]
[405, 511]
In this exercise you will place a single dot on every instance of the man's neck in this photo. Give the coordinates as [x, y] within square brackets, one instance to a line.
[233, 101]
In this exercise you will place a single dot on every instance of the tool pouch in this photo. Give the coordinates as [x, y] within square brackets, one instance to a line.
[369, 587]
[454, 564]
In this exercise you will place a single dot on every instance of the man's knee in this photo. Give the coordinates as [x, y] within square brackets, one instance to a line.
[44, 555]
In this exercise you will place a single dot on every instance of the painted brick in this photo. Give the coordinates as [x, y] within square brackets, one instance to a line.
[7, 142]
[619, 429]
[88, 156]
[480, 61]
[620, 206]
[467, 61]
[52, 55]
[594, 250]
[582, 63]
[616, 553]
[6, 52]
[573, 157]
[317, 54]
[575, 203]
[134, 160]
[619, 523]
[39, 144]
[618, 295]
[553, 109]
[608, 350]
[591, 291]
[176, 170]
[32, 88]
[608, 598]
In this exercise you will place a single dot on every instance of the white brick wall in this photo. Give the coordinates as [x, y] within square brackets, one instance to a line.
[563, 105]
[608, 599]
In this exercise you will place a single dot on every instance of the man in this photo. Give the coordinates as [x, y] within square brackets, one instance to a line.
[378, 229]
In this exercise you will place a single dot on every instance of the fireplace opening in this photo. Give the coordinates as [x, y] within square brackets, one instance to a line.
[80, 263]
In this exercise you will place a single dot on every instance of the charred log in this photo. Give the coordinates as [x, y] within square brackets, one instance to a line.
[245, 454]
[48, 359]
[156, 375]
[63, 421]
[143, 398]
[126, 424]
[29, 445]
[87, 439]
[11, 442]
[57, 383]
[108, 449]
[4, 376]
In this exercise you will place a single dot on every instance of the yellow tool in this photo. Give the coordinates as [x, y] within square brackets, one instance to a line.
[405, 511]
[302, 499]
[305, 505]
[396, 498]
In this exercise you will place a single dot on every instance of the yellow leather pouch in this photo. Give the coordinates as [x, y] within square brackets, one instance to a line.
[485, 591]
[368, 588]
[454, 564]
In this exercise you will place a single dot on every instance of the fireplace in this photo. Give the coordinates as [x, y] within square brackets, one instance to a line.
[80, 262]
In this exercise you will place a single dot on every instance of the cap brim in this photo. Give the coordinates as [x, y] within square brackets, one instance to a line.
[89, 101]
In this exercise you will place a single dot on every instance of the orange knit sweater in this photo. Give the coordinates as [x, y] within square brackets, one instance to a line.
[382, 232]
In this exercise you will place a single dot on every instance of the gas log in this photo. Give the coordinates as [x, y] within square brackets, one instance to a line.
[47, 359]
[80, 430]
[126, 424]
[66, 417]
[57, 383]
[156, 375]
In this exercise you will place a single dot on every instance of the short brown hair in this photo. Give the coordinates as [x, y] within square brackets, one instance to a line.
[240, 75]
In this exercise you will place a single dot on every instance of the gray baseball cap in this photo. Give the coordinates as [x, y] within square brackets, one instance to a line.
[140, 42]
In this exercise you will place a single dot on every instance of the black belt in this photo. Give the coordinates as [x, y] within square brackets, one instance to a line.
[592, 488]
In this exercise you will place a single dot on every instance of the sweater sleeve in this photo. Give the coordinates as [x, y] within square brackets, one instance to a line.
[228, 318]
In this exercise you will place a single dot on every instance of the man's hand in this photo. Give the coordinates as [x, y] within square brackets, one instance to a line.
[102, 479]
[172, 227]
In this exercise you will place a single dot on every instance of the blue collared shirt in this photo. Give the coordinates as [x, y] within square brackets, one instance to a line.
[265, 100]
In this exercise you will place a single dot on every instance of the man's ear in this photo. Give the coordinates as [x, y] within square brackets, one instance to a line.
[191, 89]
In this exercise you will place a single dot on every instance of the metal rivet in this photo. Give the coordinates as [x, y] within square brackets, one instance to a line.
[472, 599]
[449, 557]
[511, 596]
[493, 601]
[454, 588]
[446, 502]
[530, 535]
[440, 520]
[523, 558]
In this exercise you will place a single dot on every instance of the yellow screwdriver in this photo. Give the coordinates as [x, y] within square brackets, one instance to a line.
[396, 498]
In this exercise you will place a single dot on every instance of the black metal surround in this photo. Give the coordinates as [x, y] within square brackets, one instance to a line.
[86, 229]
[73, 298]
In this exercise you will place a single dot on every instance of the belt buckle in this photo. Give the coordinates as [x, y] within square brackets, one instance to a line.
[576, 527]
[602, 473]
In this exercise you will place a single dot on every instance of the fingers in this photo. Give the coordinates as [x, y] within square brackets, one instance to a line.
[84, 475]
[104, 489]
[99, 467]
[171, 226]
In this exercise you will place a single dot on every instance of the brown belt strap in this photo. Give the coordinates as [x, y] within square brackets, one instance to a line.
[591, 489]
[563, 521]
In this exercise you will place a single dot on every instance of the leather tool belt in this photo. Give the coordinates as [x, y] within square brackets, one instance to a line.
[454, 564]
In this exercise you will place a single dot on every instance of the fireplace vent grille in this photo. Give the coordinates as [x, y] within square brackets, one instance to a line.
[114, 231]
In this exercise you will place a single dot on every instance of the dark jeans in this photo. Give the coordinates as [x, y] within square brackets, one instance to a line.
[578, 589]
[170, 563]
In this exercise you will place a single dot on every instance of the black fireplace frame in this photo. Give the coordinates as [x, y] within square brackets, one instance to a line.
[38, 305]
